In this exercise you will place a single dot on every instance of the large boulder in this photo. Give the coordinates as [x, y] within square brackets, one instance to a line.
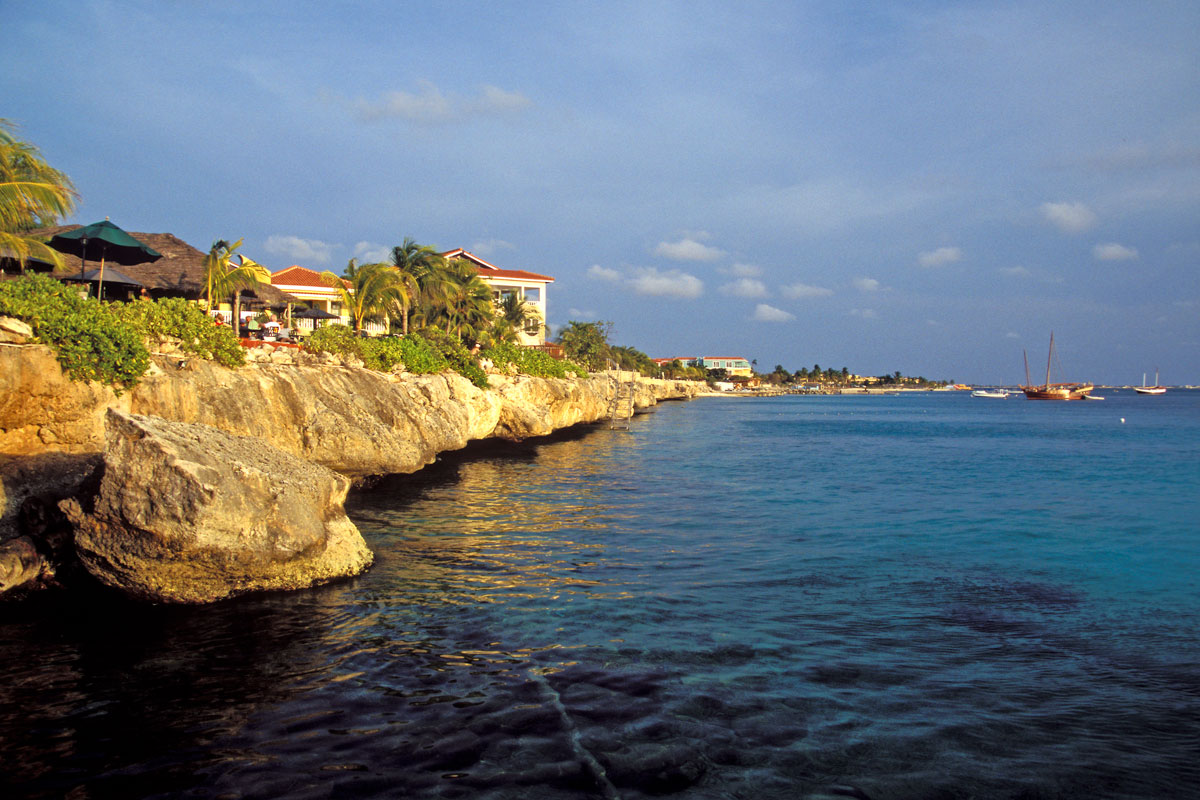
[189, 514]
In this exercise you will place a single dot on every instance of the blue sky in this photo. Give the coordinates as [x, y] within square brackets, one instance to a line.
[928, 187]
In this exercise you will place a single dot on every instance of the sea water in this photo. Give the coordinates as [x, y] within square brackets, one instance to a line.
[915, 596]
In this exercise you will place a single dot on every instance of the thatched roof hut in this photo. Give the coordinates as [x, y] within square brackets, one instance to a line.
[179, 273]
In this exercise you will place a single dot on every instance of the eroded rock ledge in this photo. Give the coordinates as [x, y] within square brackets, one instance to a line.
[352, 421]
[189, 514]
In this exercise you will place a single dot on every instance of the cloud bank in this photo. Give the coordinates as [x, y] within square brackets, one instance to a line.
[429, 105]
[802, 291]
[1069, 217]
[687, 249]
[940, 257]
[746, 287]
[1114, 252]
[669, 283]
[299, 250]
[766, 313]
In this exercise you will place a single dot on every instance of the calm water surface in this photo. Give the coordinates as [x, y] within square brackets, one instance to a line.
[887, 597]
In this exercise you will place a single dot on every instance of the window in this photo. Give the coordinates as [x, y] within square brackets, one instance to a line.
[533, 295]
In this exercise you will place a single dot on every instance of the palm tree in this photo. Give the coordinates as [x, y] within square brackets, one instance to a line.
[222, 279]
[368, 290]
[515, 314]
[32, 194]
[417, 264]
[466, 302]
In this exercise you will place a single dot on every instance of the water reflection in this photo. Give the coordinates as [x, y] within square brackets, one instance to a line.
[521, 526]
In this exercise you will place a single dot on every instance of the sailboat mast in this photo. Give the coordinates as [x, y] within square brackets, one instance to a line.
[1025, 355]
[1049, 358]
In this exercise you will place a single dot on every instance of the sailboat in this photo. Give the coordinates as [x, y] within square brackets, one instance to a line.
[1155, 389]
[1054, 391]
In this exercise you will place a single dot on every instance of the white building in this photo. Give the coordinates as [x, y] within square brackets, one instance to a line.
[529, 286]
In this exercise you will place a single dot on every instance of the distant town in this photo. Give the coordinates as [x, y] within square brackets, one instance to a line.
[730, 373]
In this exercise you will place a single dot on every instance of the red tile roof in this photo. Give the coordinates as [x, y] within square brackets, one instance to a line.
[300, 276]
[487, 270]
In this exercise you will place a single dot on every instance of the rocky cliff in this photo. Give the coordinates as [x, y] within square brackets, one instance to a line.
[350, 420]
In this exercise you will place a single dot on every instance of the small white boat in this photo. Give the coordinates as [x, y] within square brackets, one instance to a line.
[1155, 389]
[999, 394]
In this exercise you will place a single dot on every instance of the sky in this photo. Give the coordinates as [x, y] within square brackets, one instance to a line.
[929, 187]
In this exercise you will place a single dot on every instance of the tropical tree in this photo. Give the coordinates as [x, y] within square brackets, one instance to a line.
[586, 343]
[32, 194]
[463, 304]
[222, 279]
[420, 268]
[369, 290]
[515, 314]
[633, 359]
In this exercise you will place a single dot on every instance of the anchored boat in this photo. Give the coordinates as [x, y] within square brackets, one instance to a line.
[1155, 389]
[1054, 391]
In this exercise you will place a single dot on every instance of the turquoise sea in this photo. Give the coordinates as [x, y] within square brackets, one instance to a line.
[916, 596]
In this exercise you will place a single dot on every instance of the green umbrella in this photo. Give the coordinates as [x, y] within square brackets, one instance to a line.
[114, 244]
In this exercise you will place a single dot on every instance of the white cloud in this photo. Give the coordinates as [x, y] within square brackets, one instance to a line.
[671, 283]
[1069, 217]
[298, 249]
[600, 273]
[687, 249]
[580, 314]
[1114, 252]
[491, 247]
[766, 313]
[1016, 272]
[1012, 335]
[371, 253]
[802, 291]
[866, 284]
[940, 257]
[865, 313]
[742, 271]
[430, 106]
[746, 287]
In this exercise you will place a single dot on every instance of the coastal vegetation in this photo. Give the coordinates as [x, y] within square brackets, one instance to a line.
[426, 351]
[527, 361]
[90, 338]
[223, 280]
[369, 290]
[106, 342]
[32, 195]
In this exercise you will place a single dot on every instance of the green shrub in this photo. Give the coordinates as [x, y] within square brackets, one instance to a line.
[429, 351]
[413, 352]
[456, 354]
[91, 340]
[176, 317]
[336, 339]
[528, 361]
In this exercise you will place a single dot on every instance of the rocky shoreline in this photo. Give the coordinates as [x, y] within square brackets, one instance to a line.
[204, 482]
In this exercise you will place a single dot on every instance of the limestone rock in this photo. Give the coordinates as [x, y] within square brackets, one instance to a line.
[42, 410]
[189, 514]
[14, 331]
[21, 565]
